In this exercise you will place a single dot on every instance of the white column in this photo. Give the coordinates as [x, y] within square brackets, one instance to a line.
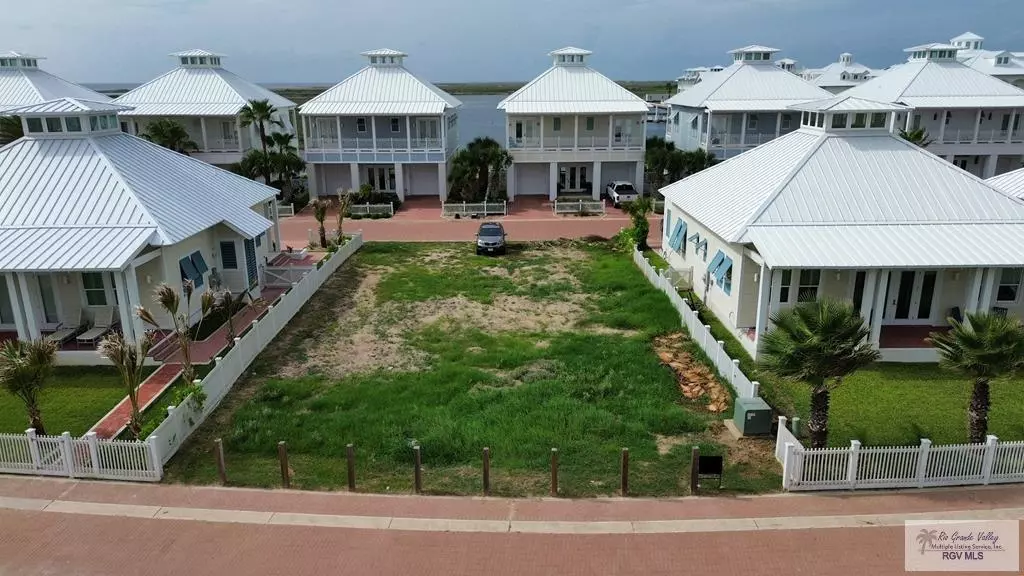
[132, 280]
[576, 132]
[124, 308]
[337, 125]
[764, 295]
[1009, 129]
[990, 166]
[639, 183]
[510, 182]
[987, 289]
[399, 181]
[373, 131]
[973, 291]
[444, 132]
[354, 171]
[238, 131]
[910, 120]
[408, 132]
[595, 192]
[879, 310]
[552, 180]
[707, 144]
[870, 283]
[305, 132]
[778, 125]
[277, 225]
[950, 158]
[977, 126]
[743, 130]
[442, 180]
[32, 322]
[611, 128]
[643, 137]
[202, 128]
[942, 125]
[19, 318]
[541, 124]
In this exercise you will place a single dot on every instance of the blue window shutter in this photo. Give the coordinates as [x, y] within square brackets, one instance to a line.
[250, 262]
[199, 262]
[188, 270]
[228, 255]
[673, 241]
[681, 244]
[668, 220]
[722, 269]
[715, 263]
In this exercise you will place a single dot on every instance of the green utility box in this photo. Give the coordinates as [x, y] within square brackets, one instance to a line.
[752, 417]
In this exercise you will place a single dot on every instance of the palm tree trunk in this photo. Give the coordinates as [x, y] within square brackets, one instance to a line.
[35, 420]
[323, 236]
[977, 414]
[266, 163]
[818, 424]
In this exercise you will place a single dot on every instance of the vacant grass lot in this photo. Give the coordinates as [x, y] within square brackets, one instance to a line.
[73, 400]
[429, 345]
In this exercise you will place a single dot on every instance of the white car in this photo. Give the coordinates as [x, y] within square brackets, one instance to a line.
[620, 191]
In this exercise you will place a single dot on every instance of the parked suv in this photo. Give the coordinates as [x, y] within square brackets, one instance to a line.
[490, 238]
[620, 192]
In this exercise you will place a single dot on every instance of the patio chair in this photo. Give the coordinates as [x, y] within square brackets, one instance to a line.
[104, 319]
[62, 333]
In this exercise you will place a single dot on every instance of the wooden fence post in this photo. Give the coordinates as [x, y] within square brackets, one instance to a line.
[350, 457]
[988, 461]
[222, 470]
[694, 469]
[487, 471]
[554, 472]
[625, 472]
[417, 475]
[282, 455]
[68, 453]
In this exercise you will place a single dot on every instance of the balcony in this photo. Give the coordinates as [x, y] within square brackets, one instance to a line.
[384, 150]
[565, 143]
[222, 145]
[966, 136]
[730, 140]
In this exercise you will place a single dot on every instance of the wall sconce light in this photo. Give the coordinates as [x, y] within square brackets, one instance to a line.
[956, 275]
[756, 277]
[149, 279]
[839, 275]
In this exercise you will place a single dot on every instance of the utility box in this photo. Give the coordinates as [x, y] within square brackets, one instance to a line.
[752, 417]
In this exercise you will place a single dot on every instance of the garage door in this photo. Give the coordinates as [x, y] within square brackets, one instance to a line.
[421, 179]
[612, 171]
[531, 179]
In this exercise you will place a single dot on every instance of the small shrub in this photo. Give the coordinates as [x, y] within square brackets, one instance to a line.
[356, 216]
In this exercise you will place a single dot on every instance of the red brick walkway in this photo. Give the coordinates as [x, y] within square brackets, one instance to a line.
[115, 421]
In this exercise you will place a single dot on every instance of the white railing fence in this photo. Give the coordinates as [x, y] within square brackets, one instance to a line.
[284, 276]
[285, 210]
[182, 420]
[579, 207]
[465, 209]
[728, 368]
[368, 209]
[85, 457]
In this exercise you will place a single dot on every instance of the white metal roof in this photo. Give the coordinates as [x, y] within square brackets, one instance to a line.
[816, 180]
[383, 52]
[832, 75]
[63, 106]
[931, 46]
[381, 90]
[575, 89]
[966, 36]
[939, 84]
[985, 61]
[16, 54]
[188, 91]
[196, 52]
[120, 181]
[844, 103]
[745, 105]
[1011, 182]
[24, 86]
[105, 248]
[570, 51]
[762, 85]
[753, 48]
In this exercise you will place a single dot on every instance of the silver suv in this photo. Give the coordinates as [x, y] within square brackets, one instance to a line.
[490, 238]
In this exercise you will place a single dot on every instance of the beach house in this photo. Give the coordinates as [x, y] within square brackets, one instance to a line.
[22, 83]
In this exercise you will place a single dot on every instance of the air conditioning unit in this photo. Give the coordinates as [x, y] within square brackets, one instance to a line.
[752, 417]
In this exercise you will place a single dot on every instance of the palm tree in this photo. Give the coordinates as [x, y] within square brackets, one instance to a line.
[231, 305]
[10, 129]
[344, 201]
[282, 142]
[261, 113]
[130, 361]
[656, 160]
[819, 343]
[320, 207]
[255, 163]
[462, 176]
[170, 302]
[24, 369]
[170, 134]
[476, 170]
[917, 136]
[984, 347]
[638, 211]
[696, 160]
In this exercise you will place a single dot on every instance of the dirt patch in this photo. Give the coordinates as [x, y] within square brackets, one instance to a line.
[506, 314]
[696, 381]
[439, 258]
[667, 443]
[759, 453]
[495, 271]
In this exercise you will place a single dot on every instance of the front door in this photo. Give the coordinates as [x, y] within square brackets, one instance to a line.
[46, 294]
[427, 128]
[6, 309]
[910, 297]
[572, 178]
[381, 178]
[524, 130]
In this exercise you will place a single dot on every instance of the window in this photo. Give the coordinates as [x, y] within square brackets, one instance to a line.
[73, 123]
[808, 288]
[1002, 59]
[394, 125]
[104, 122]
[360, 124]
[804, 118]
[228, 256]
[184, 60]
[34, 124]
[95, 291]
[1009, 284]
[193, 60]
[259, 240]
[556, 124]
[785, 281]
[189, 272]
[787, 121]
[860, 120]
[53, 125]
[878, 119]
[839, 120]
[202, 60]
[590, 122]
[752, 122]
[820, 123]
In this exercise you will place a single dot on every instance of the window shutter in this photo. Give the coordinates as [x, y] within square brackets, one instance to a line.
[715, 263]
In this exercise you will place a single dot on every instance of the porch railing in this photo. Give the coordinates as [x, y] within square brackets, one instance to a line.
[368, 209]
[467, 209]
[223, 145]
[580, 206]
[379, 145]
[730, 140]
[966, 136]
[583, 143]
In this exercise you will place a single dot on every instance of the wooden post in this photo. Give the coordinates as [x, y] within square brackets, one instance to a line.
[417, 471]
[487, 471]
[625, 472]
[694, 469]
[350, 456]
[282, 455]
[554, 472]
[222, 470]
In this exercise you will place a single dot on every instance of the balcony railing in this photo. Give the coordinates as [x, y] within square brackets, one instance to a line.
[584, 143]
[730, 140]
[223, 145]
[966, 136]
[382, 144]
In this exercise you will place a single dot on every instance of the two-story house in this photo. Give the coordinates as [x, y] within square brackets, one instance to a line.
[972, 119]
[206, 99]
[381, 126]
[572, 130]
[1003, 64]
[743, 106]
[23, 83]
[841, 75]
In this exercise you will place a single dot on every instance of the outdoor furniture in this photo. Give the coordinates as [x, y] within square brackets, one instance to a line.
[62, 333]
[104, 319]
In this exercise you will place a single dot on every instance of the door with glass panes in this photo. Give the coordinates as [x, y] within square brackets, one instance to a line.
[910, 298]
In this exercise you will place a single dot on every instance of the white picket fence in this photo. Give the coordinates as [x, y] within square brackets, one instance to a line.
[464, 209]
[728, 368]
[182, 420]
[85, 457]
[372, 209]
[921, 466]
[579, 207]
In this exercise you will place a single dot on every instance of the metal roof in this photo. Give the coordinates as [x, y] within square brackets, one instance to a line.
[753, 48]
[383, 52]
[24, 86]
[188, 91]
[844, 103]
[381, 90]
[571, 90]
[752, 105]
[71, 249]
[757, 83]
[64, 106]
[930, 83]
[985, 61]
[832, 75]
[195, 52]
[570, 51]
[1011, 182]
[966, 36]
[931, 46]
[16, 54]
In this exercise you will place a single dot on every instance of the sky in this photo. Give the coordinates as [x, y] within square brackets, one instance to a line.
[280, 41]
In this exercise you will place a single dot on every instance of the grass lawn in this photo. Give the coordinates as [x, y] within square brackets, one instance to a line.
[430, 345]
[74, 399]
